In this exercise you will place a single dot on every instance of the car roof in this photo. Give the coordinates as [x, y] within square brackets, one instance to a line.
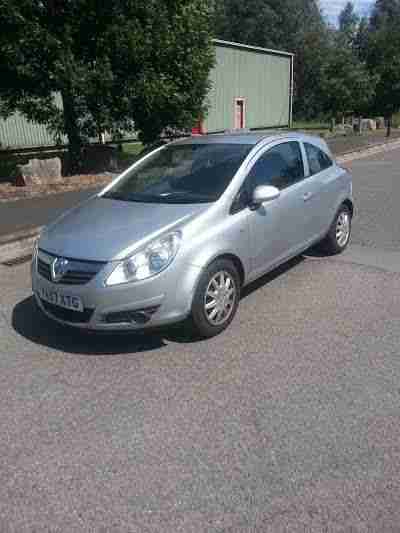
[253, 138]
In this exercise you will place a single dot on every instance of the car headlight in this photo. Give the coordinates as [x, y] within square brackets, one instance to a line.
[148, 262]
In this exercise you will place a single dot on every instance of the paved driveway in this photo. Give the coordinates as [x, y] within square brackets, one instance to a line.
[287, 422]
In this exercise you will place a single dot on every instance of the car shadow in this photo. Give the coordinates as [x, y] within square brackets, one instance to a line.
[29, 322]
[317, 251]
[270, 276]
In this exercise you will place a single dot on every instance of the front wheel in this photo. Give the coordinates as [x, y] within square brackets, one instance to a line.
[216, 298]
[339, 234]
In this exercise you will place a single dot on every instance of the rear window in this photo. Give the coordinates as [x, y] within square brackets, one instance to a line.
[317, 159]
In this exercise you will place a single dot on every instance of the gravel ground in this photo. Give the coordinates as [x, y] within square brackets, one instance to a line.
[341, 145]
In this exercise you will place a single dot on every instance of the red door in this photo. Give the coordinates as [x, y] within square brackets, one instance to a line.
[199, 128]
[240, 122]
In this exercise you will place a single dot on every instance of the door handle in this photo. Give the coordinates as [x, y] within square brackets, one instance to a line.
[307, 196]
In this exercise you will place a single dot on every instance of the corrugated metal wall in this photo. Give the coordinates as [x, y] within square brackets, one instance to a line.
[261, 78]
[17, 132]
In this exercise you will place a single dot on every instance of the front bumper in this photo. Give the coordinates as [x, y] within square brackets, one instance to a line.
[163, 299]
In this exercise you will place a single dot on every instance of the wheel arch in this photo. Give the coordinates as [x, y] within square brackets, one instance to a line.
[236, 261]
[233, 258]
[350, 205]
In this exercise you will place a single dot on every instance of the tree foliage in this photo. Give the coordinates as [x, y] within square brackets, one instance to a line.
[146, 62]
[348, 87]
[384, 13]
[383, 56]
[348, 24]
[360, 45]
[115, 64]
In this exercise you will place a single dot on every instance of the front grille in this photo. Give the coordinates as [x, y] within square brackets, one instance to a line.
[44, 269]
[67, 315]
[79, 272]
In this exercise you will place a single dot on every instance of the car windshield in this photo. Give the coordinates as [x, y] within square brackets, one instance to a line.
[186, 173]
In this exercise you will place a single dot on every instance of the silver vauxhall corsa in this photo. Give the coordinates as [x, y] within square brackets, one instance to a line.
[180, 233]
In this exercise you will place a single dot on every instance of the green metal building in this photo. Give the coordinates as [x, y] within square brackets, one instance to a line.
[251, 88]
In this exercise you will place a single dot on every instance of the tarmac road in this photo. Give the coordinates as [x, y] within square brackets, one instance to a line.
[34, 212]
[287, 422]
[376, 183]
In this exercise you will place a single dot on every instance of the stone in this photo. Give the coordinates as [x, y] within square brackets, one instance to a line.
[39, 172]
[340, 129]
[100, 158]
[380, 123]
[368, 124]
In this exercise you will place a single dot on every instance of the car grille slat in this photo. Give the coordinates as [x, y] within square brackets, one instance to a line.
[44, 269]
[79, 272]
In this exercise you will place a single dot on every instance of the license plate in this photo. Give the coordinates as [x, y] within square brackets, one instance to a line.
[73, 303]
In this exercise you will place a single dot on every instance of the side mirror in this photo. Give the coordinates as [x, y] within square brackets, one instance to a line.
[265, 193]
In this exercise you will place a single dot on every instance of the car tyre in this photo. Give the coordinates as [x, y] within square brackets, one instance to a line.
[339, 233]
[216, 299]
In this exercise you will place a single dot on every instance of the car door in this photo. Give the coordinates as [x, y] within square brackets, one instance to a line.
[281, 228]
[325, 188]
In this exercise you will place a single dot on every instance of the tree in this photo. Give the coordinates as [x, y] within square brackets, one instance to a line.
[384, 13]
[360, 44]
[254, 22]
[348, 24]
[383, 57]
[115, 64]
[348, 87]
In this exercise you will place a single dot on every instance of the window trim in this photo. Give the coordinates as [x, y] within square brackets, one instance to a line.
[310, 174]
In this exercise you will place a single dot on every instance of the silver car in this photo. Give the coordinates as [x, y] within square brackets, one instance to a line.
[179, 234]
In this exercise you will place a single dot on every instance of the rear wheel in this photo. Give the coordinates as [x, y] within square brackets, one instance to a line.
[339, 234]
[216, 298]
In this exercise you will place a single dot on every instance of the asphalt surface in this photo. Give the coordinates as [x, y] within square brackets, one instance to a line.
[376, 182]
[287, 422]
[26, 214]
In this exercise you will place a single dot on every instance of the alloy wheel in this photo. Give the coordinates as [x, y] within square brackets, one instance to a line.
[220, 297]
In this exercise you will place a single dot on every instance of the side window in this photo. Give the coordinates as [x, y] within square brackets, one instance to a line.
[280, 167]
[317, 159]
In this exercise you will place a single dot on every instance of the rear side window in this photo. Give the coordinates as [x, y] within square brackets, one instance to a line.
[280, 167]
[317, 159]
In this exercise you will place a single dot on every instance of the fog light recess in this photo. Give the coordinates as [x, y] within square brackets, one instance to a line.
[136, 316]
